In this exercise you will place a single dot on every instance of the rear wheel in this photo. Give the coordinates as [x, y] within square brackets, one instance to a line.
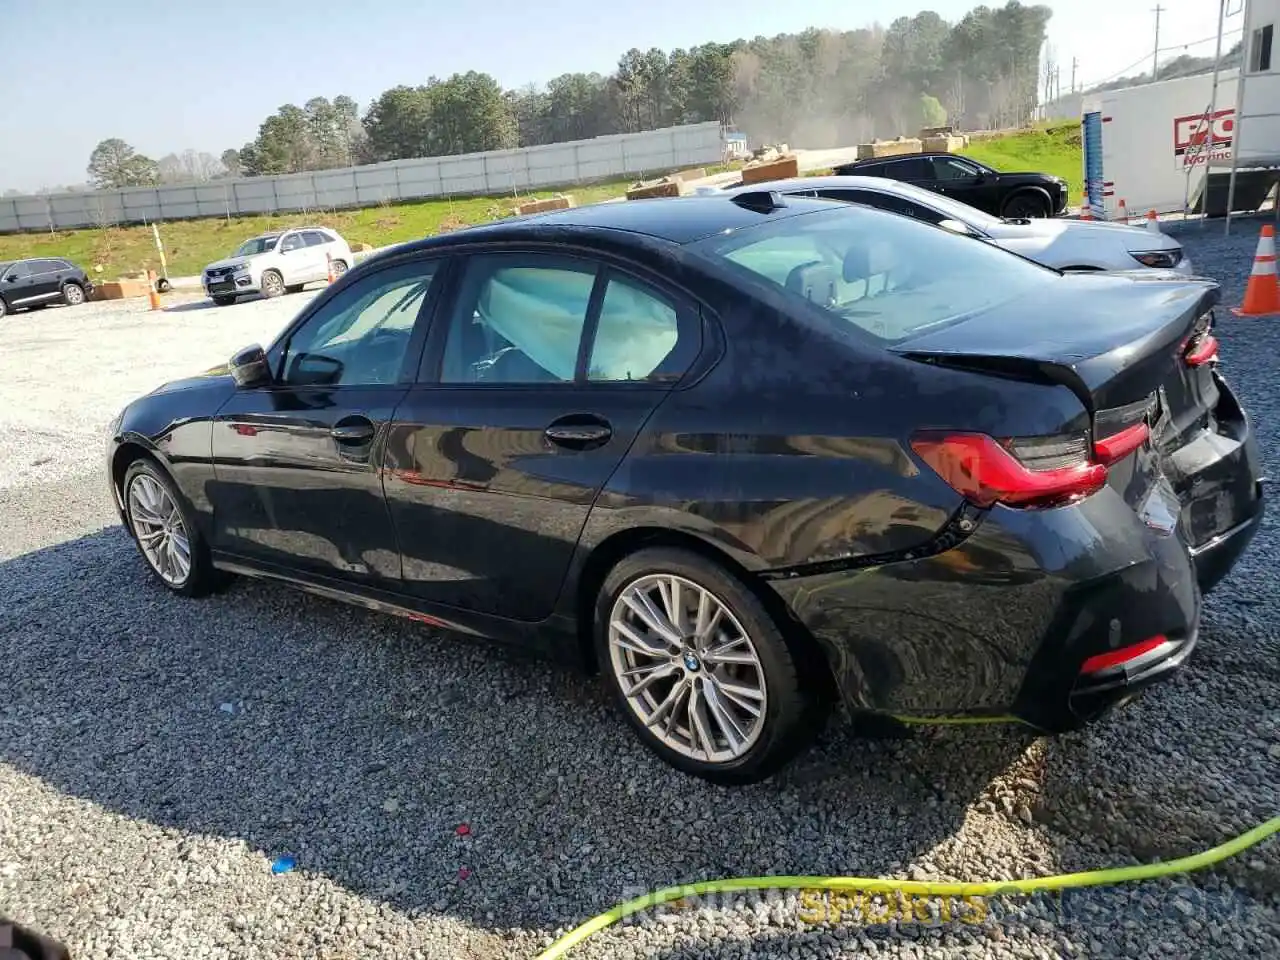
[224, 301]
[272, 284]
[700, 669]
[1026, 206]
[339, 268]
[165, 532]
[73, 294]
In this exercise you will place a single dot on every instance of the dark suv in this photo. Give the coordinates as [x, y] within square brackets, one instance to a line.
[1011, 195]
[37, 283]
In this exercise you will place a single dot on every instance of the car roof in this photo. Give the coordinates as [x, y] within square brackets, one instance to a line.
[677, 220]
[901, 156]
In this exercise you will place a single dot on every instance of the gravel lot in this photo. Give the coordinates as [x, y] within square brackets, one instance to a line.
[157, 754]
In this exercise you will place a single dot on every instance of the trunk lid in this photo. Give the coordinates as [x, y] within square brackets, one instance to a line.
[1114, 339]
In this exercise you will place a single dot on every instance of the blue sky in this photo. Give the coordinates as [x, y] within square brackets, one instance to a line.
[168, 75]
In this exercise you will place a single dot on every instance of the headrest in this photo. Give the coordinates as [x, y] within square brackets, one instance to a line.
[815, 281]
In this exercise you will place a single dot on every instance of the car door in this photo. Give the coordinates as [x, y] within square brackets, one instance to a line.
[961, 180]
[319, 248]
[21, 284]
[297, 462]
[297, 261]
[538, 376]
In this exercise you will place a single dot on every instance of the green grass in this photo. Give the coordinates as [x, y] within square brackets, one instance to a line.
[1054, 149]
[189, 245]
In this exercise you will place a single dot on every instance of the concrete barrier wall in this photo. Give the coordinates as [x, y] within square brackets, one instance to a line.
[497, 172]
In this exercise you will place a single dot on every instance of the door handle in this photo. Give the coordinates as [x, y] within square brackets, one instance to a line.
[580, 435]
[353, 432]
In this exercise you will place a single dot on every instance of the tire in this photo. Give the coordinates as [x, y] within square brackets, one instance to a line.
[163, 285]
[272, 284]
[339, 268]
[73, 294]
[224, 301]
[160, 522]
[1026, 205]
[785, 726]
[4, 307]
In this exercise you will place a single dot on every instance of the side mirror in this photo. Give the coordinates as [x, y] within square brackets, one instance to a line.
[955, 226]
[11, 278]
[249, 367]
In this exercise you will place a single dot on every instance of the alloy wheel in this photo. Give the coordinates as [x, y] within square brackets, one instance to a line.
[687, 668]
[339, 268]
[157, 524]
[74, 295]
[272, 284]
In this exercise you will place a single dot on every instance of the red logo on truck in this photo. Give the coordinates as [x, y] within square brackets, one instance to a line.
[1195, 138]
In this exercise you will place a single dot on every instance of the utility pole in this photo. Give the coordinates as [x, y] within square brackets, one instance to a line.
[1075, 62]
[1155, 55]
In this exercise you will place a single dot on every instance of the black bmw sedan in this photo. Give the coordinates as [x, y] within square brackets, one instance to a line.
[747, 458]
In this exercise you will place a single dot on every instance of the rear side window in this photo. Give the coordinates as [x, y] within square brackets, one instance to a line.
[911, 168]
[519, 319]
[47, 266]
[314, 238]
[891, 277]
[639, 336]
[883, 201]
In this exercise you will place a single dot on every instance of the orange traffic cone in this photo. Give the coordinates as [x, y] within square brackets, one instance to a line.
[328, 259]
[1262, 295]
[152, 294]
[1153, 222]
[1085, 212]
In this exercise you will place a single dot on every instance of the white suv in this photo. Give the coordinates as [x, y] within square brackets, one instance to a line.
[276, 263]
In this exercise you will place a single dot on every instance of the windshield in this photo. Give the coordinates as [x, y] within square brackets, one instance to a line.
[890, 276]
[255, 246]
[947, 206]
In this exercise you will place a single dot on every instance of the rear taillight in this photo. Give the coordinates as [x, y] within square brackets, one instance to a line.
[1118, 431]
[1018, 472]
[1201, 351]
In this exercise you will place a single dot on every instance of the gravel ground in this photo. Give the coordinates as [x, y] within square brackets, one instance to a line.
[156, 755]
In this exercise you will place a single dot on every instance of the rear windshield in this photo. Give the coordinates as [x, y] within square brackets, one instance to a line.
[890, 276]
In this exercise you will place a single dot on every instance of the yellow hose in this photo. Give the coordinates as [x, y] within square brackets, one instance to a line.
[927, 888]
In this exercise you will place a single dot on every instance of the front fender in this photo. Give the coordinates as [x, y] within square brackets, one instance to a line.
[175, 427]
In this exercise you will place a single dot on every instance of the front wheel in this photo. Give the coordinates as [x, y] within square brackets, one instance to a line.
[4, 307]
[700, 669]
[272, 284]
[1026, 206]
[165, 532]
[73, 294]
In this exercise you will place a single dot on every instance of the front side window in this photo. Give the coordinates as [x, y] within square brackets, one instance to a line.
[18, 271]
[292, 241]
[518, 319]
[255, 246]
[949, 168]
[361, 336]
[891, 277]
